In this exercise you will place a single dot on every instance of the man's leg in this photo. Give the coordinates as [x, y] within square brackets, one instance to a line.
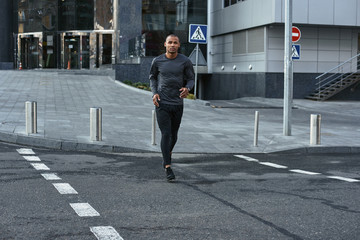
[164, 121]
[176, 116]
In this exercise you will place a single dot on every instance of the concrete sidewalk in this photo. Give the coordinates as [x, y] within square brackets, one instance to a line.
[64, 99]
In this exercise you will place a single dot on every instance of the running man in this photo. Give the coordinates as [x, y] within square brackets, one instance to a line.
[171, 79]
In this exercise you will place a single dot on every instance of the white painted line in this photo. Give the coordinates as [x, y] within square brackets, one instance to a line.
[84, 210]
[25, 151]
[304, 172]
[65, 188]
[32, 158]
[105, 233]
[272, 165]
[247, 158]
[39, 166]
[344, 179]
[50, 176]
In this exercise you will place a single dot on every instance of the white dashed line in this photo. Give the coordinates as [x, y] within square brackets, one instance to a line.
[344, 179]
[65, 188]
[39, 166]
[25, 151]
[84, 210]
[50, 176]
[105, 233]
[294, 170]
[32, 158]
[247, 158]
[272, 165]
[304, 172]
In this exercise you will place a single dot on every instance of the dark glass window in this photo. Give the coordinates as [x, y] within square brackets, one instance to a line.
[104, 14]
[231, 2]
[76, 15]
[163, 17]
[36, 16]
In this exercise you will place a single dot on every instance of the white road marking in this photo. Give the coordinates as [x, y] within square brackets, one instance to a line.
[272, 165]
[32, 158]
[25, 151]
[50, 176]
[65, 188]
[84, 210]
[344, 179]
[247, 158]
[105, 233]
[40, 166]
[304, 172]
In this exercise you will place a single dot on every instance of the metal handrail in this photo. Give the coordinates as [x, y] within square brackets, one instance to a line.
[350, 59]
[333, 78]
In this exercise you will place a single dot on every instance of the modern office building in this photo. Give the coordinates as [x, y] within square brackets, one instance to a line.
[6, 35]
[251, 32]
[244, 54]
[71, 34]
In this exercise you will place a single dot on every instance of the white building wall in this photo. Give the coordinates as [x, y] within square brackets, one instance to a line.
[322, 48]
[329, 29]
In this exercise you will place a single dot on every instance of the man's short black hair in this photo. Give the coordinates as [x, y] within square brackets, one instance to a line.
[172, 35]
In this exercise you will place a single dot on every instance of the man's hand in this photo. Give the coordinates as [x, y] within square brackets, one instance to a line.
[156, 100]
[184, 92]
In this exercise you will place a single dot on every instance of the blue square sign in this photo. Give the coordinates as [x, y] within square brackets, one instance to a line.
[295, 51]
[197, 33]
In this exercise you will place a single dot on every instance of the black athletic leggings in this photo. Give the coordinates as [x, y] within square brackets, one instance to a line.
[169, 119]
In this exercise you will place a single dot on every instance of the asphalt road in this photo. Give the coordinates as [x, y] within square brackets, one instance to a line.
[217, 196]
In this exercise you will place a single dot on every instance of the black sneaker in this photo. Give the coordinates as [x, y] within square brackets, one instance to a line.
[169, 174]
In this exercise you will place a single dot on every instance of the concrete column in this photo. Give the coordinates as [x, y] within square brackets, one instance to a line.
[95, 124]
[30, 117]
[315, 122]
[256, 129]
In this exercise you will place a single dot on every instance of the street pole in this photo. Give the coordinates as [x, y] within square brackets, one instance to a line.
[288, 69]
[196, 69]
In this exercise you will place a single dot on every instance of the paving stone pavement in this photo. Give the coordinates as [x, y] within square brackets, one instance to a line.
[64, 99]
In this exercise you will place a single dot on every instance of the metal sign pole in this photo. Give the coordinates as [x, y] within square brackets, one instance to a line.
[288, 70]
[196, 68]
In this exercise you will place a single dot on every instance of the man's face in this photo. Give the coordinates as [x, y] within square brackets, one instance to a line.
[172, 44]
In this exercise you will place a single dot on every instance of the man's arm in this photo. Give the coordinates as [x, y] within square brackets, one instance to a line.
[153, 77]
[189, 75]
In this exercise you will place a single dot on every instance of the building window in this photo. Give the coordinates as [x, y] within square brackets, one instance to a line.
[231, 2]
[249, 41]
[160, 18]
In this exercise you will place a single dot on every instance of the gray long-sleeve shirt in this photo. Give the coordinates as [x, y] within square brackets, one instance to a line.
[167, 76]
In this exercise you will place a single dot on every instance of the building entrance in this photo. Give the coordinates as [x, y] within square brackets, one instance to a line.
[72, 52]
[29, 57]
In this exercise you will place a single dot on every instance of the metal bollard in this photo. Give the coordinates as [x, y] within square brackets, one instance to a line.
[315, 122]
[95, 124]
[30, 117]
[256, 129]
[153, 128]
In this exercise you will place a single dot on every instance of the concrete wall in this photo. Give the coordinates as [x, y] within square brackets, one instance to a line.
[322, 12]
[254, 13]
[6, 44]
[267, 85]
[243, 15]
[322, 48]
[136, 72]
[224, 59]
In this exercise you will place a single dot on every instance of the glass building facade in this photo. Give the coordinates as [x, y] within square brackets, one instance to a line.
[88, 34]
[72, 34]
[160, 18]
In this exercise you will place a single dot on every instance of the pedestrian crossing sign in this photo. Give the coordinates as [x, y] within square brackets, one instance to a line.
[197, 33]
[295, 51]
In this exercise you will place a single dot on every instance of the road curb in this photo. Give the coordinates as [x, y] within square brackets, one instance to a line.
[68, 145]
[65, 145]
